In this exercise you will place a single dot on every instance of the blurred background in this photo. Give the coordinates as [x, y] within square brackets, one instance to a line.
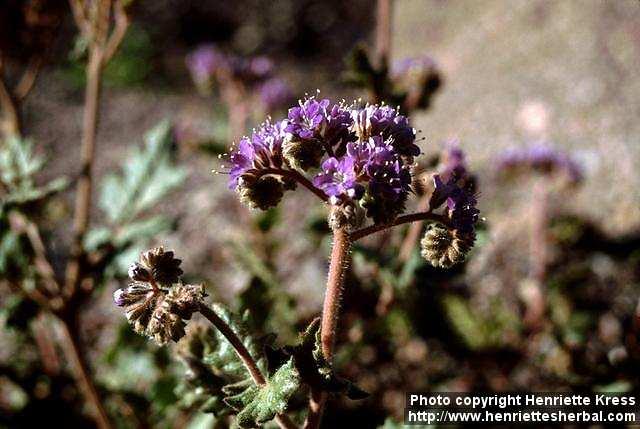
[542, 97]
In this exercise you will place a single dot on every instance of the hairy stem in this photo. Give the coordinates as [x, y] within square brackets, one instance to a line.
[71, 348]
[330, 312]
[295, 175]
[249, 362]
[413, 217]
[235, 342]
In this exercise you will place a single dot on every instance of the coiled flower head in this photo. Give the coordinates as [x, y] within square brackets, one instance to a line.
[453, 193]
[155, 311]
[443, 247]
[156, 266]
[365, 155]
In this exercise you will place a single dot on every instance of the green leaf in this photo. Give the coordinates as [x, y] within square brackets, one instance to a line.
[219, 353]
[260, 404]
[147, 176]
[142, 230]
[217, 381]
[18, 165]
[12, 252]
[315, 371]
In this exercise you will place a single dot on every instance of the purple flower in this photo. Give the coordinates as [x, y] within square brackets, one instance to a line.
[387, 122]
[460, 202]
[306, 119]
[262, 150]
[314, 120]
[275, 93]
[339, 178]
[453, 163]
[461, 207]
[389, 179]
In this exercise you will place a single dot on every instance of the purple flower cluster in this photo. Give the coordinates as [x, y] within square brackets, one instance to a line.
[540, 158]
[385, 121]
[208, 64]
[316, 120]
[373, 162]
[364, 153]
[204, 62]
[454, 189]
[260, 151]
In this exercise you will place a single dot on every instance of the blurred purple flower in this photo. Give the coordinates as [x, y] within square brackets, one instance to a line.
[419, 64]
[453, 163]
[260, 67]
[540, 158]
[204, 61]
[275, 93]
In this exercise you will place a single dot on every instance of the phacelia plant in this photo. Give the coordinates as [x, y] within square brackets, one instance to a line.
[359, 161]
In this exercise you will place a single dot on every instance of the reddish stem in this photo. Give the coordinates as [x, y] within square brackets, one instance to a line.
[413, 217]
[330, 312]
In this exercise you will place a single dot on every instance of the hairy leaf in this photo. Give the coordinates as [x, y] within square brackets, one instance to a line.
[18, 165]
[219, 353]
[315, 371]
[147, 175]
[259, 404]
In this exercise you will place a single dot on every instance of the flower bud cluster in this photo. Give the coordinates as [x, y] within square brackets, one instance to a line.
[364, 156]
[454, 192]
[156, 302]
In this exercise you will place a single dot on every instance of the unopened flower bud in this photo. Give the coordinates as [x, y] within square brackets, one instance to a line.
[302, 154]
[158, 265]
[139, 301]
[261, 193]
[164, 325]
[381, 210]
[139, 273]
[443, 247]
[184, 300]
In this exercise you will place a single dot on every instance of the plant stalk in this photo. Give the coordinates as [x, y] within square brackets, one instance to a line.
[10, 121]
[85, 182]
[252, 367]
[412, 217]
[71, 348]
[330, 313]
